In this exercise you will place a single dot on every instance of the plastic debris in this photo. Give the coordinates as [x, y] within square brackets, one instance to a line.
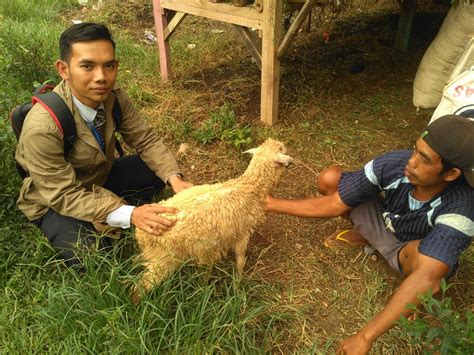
[217, 31]
[150, 37]
[191, 45]
[183, 148]
[75, 22]
[369, 249]
[97, 6]
[326, 36]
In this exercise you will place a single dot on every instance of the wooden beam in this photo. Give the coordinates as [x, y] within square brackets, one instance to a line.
[405, 22]
[251, 42]
[173, 24]
[295, 26]
[163, 45]
[244, 16]
[272, 20]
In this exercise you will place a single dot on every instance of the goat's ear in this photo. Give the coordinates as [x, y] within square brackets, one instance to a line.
[251, 151]
[283, 159]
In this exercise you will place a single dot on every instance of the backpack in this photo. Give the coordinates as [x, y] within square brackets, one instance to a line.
[61, 115]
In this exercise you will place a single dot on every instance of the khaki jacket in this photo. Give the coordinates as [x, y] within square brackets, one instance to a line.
[71, 184]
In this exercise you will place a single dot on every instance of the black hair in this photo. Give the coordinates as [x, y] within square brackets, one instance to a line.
[82, 32]
[447, 166]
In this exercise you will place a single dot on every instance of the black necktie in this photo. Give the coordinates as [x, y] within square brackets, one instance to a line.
[99, 126]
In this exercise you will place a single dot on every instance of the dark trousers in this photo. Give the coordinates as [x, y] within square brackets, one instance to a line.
[130, 178]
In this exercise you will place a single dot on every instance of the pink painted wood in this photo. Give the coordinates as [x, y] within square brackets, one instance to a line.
[163, 46]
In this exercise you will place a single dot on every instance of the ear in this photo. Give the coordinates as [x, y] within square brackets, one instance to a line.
[63, 69]
[452, 174]
[283, 159]
[251, 151]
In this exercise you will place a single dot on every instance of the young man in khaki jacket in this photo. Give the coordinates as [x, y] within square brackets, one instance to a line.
[69, 194]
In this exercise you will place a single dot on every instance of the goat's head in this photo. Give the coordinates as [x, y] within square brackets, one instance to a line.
[272, 150]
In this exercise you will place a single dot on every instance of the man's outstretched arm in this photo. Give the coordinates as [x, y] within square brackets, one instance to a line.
[427, 275]
[321, 206]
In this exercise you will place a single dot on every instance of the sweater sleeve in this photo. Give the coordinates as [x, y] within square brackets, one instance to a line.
[358, 186]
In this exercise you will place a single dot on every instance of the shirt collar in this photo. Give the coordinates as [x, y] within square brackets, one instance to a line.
[413, 203]
[87, 113]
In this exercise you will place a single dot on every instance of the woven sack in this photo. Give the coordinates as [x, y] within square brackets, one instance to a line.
[442, 55]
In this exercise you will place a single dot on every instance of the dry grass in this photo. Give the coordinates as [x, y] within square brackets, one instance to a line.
[328, 116]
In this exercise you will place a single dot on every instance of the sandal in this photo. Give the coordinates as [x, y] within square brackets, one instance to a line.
[334, 239]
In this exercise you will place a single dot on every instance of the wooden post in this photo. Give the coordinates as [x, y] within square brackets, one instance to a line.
[297, 23]
[251, 42]
[407, 12]
[163, 46]
[272, 27]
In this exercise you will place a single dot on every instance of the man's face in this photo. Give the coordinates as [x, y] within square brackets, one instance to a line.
[425, 166]
[91, 71]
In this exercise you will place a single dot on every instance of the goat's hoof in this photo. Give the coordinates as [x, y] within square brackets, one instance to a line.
[136, 297]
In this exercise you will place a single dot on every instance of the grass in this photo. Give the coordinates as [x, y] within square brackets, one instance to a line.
[48, 308]
[93, 313]
[296, 296]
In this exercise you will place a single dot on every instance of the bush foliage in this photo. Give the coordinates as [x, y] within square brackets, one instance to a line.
[439, 328]
[222, 126]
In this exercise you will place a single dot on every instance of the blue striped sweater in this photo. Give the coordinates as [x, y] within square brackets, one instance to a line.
[445, 224]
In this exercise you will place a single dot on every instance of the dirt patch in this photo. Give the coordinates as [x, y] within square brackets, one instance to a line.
[341, 102]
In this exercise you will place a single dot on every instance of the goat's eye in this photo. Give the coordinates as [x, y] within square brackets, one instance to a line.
[280, 149]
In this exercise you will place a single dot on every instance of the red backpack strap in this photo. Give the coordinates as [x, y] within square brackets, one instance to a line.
[61, 115]
[47, 86]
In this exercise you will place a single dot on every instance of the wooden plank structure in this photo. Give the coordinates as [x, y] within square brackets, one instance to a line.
[264, 15]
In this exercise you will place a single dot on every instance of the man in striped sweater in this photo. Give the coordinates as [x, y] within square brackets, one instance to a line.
[415, 207]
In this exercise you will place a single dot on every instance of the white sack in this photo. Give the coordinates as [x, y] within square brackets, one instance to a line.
[442, 55]
[458, 94]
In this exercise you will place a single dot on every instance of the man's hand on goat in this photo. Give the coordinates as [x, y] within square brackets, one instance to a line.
[179, 184]
[148, 218]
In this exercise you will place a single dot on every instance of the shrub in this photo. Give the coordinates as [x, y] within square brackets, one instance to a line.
[439, 327]
[223, 126]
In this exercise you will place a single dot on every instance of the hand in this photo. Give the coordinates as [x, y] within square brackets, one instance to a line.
[147, 217]
[268, 202]
[179, 184]
[355, 345]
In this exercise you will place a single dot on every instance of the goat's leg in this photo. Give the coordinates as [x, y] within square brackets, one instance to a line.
[209, 259]
[240, 250]
[154, 274]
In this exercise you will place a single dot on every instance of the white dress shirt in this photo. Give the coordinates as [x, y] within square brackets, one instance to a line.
[121, 216]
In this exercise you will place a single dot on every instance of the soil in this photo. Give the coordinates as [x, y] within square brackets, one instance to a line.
[341, 102]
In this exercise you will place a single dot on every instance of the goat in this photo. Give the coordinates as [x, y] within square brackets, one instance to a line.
[212, 219]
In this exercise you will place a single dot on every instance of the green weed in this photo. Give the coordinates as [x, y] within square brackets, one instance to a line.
[222, 126]
[9, 178]
[438, 327]
[92, 312]
[47, 308]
